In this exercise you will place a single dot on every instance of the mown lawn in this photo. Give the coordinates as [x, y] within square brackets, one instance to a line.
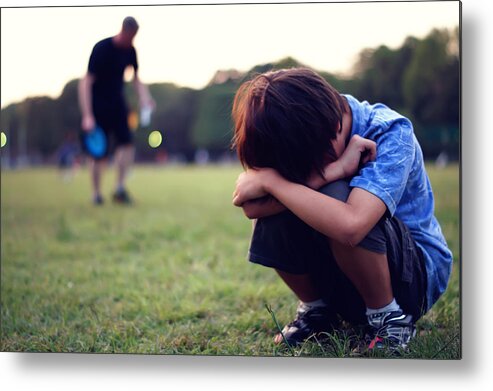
[166, 276]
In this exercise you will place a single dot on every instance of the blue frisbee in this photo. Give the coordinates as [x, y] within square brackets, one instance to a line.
[95, 142]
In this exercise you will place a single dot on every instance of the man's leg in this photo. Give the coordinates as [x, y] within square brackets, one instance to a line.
[124, 153]
[124, 157]
[97, 167]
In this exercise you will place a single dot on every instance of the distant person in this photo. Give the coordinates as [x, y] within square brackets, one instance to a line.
[344, 207]
[102, 103]
[67, 155]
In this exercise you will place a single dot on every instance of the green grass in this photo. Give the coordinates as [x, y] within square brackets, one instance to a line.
[166, 276]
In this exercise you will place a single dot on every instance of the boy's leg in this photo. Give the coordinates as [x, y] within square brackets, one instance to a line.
[286, 244]
[367, 270]
[313, 315]
[289, 245]
[302, 257]
[387, 270]
[302, 286]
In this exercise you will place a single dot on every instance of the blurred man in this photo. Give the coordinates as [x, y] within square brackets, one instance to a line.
[102, 103]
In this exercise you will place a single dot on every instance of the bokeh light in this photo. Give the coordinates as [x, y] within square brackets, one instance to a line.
[155, 139]
[3, 141]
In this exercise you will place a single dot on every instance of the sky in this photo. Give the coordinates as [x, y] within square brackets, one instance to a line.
[43, 48]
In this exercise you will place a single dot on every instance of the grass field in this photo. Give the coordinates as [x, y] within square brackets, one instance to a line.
[166, 276]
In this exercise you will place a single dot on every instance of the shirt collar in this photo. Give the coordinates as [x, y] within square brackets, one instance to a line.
[357, 112]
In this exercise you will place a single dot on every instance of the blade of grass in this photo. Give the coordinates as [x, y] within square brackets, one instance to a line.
[445, 346]
[269, 309]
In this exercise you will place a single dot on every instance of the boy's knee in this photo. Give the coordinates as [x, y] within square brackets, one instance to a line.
[375, 240]
[339, 190]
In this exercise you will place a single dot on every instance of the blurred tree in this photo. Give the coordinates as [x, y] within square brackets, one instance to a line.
[68, 107]
[42, 124]
[431, 88]
[174, 117]
[379, 73]
[421, 79]
[212, 129]
[431, 83]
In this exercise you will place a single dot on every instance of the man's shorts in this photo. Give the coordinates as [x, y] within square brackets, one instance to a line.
[286, 243]
[114, 122]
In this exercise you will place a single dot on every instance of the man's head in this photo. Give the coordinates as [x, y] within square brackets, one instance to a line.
[128, 32]
[287, 120]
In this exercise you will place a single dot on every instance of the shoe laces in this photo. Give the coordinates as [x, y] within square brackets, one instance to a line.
[394, 327]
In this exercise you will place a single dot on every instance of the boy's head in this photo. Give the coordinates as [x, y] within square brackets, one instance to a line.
[287, 120]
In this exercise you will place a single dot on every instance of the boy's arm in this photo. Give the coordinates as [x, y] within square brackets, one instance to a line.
[269, 206]
[358, 151]
[346, 222]
[262, 207]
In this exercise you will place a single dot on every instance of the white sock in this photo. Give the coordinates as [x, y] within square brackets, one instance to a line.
[392, 306]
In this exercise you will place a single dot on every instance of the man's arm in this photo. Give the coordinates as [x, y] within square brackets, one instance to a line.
[85, 102]
[145, 98]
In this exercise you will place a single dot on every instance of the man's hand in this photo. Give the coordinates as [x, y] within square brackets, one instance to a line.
[85, 101]
[250, 185]
[145, 98]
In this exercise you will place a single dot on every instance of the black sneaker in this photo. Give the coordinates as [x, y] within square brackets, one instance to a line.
[309, 321]
[391, 330]
[98, 200]
[122, 197]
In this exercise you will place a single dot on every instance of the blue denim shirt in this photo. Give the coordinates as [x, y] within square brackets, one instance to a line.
[398, 177]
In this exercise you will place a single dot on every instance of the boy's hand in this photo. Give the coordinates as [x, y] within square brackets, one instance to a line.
[250, 185]
[358, 152]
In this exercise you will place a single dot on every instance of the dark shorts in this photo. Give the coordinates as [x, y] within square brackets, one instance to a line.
[286, 243]
[114, 123]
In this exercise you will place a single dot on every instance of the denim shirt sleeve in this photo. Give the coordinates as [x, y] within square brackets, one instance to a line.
[386, 177]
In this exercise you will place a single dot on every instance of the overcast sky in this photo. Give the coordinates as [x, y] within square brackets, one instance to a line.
[43, 48]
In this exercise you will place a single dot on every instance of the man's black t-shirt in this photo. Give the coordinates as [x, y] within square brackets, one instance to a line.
[108, 63]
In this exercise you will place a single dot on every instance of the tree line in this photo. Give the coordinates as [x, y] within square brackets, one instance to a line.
[420, 79]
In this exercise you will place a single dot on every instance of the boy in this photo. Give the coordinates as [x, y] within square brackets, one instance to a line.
[343, 204]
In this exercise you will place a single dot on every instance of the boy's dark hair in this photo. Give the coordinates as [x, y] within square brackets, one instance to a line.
[286, 120]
